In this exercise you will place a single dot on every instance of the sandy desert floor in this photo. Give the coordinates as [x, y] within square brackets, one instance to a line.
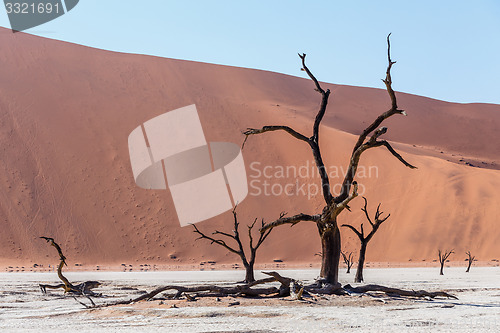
[24, 308]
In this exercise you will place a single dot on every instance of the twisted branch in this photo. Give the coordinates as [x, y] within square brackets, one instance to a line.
[293, 220]
[83, 288]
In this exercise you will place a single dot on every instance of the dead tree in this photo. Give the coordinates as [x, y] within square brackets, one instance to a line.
[326, 221]
[348, 260]
[83, 288]
[248, 263]
[470, 260]
[365, 239]
[442, 259]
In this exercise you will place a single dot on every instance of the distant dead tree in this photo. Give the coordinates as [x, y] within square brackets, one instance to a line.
[470, 260]
[83, 288]
[442, 259]
[248, 263]
[348, 260]
[365, 239]
[326, 221]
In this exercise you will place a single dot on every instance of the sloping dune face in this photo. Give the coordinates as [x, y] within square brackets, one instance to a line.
[66, 112]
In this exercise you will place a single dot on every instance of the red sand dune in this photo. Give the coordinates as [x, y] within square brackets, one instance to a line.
[66, 112]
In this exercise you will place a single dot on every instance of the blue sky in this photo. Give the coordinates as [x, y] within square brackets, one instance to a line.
[446, 49]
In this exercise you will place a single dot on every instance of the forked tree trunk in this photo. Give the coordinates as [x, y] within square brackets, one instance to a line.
[468, 267]
[330, 246]
[361, 262]
[470, 259]
[239, 250]
[249, 274]
[443, 256]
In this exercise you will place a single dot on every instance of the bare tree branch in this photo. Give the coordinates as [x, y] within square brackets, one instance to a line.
[250, 237]
[293, 220]
[237, 235]
[471, 258]
[314, 140]
[345, 204]
[445, 255]
[354, 230]
[324, 99]
[393, 152]
[388, 79]
[394, 107]
[289, 130]
[263, 235]
[216, 241]
[217, 232]
[375, 225]
[313, 78]
[361, 146]
[58, 248]
[353, 164]
[366, 212]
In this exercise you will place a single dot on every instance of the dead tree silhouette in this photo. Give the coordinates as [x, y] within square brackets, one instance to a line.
[248, 261]
[365, 239]
[442, 259]
[348, 260]
[83, 288]
[470, 260]
[326, 221]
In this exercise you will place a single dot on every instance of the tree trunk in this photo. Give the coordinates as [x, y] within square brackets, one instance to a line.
[468, 267]
[249, 275]
[330, 246]
[442, 266]
[348, 269]
[361, 263]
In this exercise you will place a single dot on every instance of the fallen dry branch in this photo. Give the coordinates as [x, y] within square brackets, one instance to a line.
[85, 305]
[395, 291]
[240, 290]
[288, 287]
